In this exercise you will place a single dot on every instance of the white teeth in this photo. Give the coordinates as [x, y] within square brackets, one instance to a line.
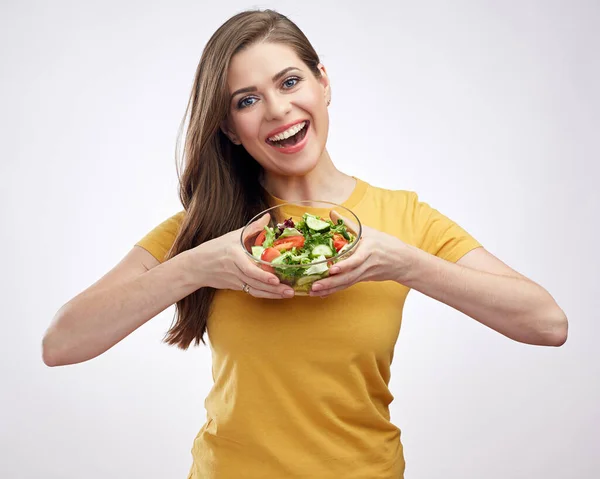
[287, 133]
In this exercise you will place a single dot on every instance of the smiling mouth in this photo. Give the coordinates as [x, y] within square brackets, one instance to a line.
[292, 140]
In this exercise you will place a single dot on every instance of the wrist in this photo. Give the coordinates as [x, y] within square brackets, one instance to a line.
[190, 263]
[406, 260]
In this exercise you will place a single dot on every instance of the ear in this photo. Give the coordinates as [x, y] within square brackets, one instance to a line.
[324, 80]
[230, 133]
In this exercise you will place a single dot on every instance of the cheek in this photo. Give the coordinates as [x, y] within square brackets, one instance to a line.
[321, 117]
[248, 125]
[312, 101]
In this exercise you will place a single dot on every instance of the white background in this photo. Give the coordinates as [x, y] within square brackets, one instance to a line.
[489, 110]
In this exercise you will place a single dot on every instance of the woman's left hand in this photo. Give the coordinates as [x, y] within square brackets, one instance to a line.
[378, 257]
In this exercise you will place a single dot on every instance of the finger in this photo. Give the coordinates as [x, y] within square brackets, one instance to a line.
[346, 279]
[260, 223]
[351, 225]
[250, 233]
[251, 275]
[328, 292]
[333, 288]
[251, 269]
[259, 293]
[351, 262]
[263, 220]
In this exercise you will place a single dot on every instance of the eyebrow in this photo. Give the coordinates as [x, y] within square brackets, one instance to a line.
[276, 77]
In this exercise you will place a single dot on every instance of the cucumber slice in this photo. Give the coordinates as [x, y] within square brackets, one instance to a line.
[303, 280]
[321, 250]
[257, 251]
[316, 224]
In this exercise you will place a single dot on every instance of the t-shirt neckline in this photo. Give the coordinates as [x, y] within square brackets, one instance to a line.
[355, 197]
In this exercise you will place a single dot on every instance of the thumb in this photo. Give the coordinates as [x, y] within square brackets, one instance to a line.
[257, 226]
[261, 222]
[351, 225]
[251, 231]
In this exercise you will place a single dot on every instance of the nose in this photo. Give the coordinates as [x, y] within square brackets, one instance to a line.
[278, 106]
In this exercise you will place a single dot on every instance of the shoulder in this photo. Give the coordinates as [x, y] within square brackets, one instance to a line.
[174, 222]
[159, 240]
[386, 197]
[170, 226]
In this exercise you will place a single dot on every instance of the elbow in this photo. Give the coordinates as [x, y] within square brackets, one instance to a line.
[560, 334]
[56, 353]
[50, 362]
[552, 330]
[48, 358]
[61, 347]
[50, 354]
[556, 330]
[53, 342]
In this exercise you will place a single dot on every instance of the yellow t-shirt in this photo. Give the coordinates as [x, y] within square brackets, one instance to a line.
[301, 385]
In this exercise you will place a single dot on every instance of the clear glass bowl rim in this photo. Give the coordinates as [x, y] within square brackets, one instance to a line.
[299, 203]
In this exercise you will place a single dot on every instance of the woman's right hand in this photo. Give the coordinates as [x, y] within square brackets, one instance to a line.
[222, 264]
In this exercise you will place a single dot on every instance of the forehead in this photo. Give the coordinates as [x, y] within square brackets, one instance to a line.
[258, 63]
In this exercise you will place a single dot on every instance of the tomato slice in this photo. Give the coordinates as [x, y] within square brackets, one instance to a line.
[269, 255]
[284, 244]
[260, 239]
[339, 241]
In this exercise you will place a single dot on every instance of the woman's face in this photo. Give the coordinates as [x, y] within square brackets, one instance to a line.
[279, 93]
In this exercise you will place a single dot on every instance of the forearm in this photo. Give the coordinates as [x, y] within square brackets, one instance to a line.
[94, 321]
[517, 308]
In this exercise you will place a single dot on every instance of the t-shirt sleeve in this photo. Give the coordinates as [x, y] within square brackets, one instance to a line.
[438, 234]
[158, 242]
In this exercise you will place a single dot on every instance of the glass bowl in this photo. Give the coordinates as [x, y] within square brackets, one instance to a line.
[301, 276]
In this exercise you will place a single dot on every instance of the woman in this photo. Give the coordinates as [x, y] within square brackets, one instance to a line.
[301, 385]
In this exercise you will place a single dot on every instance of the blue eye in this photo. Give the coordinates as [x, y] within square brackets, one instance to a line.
[294, 79]
[241, 103]
[286, 84]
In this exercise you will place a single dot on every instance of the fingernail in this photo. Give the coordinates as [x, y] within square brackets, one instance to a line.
[273, 281]
[288, 293]
[334, 270]
[317, 287]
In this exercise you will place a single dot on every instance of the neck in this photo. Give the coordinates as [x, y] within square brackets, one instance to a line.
[325, 182]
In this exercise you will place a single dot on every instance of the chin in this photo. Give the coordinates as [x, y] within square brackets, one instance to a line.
[293, 165]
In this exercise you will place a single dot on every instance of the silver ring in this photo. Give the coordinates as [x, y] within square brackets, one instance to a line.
[246, 288]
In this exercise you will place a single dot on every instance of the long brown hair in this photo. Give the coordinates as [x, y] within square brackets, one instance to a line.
[219, 187]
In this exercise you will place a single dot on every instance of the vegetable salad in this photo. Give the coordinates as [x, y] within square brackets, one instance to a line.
[311, 240]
